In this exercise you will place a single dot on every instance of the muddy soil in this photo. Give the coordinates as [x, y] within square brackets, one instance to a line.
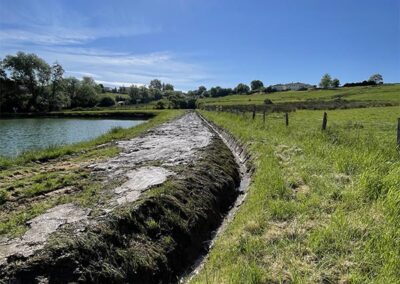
[172, 152]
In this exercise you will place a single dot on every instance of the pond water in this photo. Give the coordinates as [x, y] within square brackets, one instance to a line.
[23, 134]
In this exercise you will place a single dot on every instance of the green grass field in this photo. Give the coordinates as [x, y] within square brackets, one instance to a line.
[389, 93]
[323, 207]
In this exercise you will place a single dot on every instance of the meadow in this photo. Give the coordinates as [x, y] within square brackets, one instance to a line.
[323, 206]
[386, 93]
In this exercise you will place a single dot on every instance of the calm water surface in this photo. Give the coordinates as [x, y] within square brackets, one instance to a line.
[20, 135]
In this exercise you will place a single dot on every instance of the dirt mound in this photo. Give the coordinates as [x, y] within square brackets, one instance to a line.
[145, 235]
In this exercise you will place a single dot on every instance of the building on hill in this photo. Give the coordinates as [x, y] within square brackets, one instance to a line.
[292, 87]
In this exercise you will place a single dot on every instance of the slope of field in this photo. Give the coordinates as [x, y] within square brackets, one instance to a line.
[386, 93]
[323, 206]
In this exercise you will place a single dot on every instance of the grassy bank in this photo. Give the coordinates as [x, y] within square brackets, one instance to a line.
[25, 180]
[323, 206]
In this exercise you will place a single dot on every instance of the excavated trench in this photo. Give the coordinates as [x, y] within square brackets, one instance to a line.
[176, 185]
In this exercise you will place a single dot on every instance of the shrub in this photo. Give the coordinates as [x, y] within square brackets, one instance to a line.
[159, 105]
[106, 101]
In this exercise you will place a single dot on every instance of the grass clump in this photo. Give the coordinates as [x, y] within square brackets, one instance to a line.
[322, 206]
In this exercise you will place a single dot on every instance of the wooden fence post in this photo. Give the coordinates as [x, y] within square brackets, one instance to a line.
[254, 112]
[398, 132]
[324, 121]
[287, 119]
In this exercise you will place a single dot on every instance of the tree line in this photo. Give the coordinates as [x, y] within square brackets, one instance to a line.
[29, 84]
[327, 82]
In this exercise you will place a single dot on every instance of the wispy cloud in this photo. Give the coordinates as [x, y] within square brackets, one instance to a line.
[117, 68]
[66, 37]
[54, 35]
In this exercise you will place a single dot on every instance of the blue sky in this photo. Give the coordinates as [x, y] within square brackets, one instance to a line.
[208, 42]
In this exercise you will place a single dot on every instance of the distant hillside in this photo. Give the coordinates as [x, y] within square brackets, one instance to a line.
[292, 87]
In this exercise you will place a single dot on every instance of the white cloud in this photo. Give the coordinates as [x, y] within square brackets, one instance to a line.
[117, 84]
[114, 69]
[64, 37]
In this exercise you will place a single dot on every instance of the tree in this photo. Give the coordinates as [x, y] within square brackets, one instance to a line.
[86, 96]
[326, 81]
[242, 89]
[30, 71]
[201, 89]
[256, 84]
[86, 80]
[155, 84]
[103, 90]
[144, 94]
[57, 98]
[335, 83]
[106, 101]
[168, 87]
[377, 78]
[71, 86]
[3, 74]
[156, 94]
[134, 94]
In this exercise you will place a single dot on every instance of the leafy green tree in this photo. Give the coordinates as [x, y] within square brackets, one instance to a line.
[242, 89]
[377, 78]
[144, 94]
[71, 86]
[256, 84]
[86, 80]
[326, 81]
[134, 94]
[86, 96]
[103, 90]
[335, 83]
[155, 94]
[201, 90]
[29, 71]
[106, 101]
[3, 74]
[168, 87]
[57, 97]
[155, 84]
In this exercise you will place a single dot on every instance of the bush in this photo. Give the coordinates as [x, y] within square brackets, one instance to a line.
[363, 83]
[106, 101]
[268, 102]
[159, 105]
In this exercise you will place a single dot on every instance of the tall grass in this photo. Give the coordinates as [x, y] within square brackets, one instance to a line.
[323, 207]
